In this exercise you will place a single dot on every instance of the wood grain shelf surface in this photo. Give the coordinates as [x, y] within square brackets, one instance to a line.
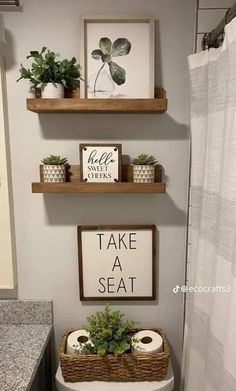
[97, 106]
[98, 188]
[157, 105]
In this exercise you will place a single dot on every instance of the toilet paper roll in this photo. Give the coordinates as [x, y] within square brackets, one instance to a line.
[77, 339]
[148, 342]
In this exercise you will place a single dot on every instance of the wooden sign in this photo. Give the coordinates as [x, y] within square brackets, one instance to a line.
[117, 262]
[100, 162]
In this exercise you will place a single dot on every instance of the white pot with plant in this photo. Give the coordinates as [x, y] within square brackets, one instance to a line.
[51, 75]
[54, 169]
[144, 168]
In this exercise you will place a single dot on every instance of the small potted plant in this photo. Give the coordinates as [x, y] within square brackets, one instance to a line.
[54, 169]
[144, 168]
[51, 75]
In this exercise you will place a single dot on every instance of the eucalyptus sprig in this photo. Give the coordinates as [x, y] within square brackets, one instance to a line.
[109, 333]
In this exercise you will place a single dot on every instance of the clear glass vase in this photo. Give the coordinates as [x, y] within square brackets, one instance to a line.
[100, 86]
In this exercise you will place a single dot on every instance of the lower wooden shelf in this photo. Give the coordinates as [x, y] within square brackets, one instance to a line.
[99, 188]
[75, 186]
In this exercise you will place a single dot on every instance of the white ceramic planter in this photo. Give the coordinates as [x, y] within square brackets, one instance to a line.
[52, 90]
[143, 174]
[53, 173]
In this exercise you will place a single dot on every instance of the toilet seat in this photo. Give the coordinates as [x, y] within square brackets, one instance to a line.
[167, 384]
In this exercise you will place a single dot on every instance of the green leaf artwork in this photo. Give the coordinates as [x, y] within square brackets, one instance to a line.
[106, 52]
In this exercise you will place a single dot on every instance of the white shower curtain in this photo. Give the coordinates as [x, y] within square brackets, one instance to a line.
[210, 335]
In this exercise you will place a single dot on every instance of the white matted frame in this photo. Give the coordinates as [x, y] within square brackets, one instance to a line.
[117, 262]
[138, 63]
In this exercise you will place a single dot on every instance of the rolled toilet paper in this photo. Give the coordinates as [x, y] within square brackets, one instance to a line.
[148, 342]
[78, 338]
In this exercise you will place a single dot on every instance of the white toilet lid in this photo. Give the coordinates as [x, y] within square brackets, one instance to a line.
[167, 384]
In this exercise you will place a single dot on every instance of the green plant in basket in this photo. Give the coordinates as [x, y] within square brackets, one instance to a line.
[54, 160]
[109, 333]
[144, 160]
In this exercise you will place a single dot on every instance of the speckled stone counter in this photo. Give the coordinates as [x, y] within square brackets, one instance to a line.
[25, 329]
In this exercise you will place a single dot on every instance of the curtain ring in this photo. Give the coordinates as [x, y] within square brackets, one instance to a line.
[206, 41]
[226, 22]
[209, 41]
[226, 16]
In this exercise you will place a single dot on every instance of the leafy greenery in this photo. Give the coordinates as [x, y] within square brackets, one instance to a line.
[47, 69]
[144, 160]
[108, 50]
[54, 160]
[109, 333]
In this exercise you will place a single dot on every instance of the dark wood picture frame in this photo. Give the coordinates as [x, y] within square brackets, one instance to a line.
[117, 146]
[81, 229]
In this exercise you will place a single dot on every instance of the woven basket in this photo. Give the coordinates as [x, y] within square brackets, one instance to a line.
[128, 367]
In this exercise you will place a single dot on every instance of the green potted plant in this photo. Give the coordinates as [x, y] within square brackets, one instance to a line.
[144, 168]
[51, 75]
[54, 169]
[109, 333]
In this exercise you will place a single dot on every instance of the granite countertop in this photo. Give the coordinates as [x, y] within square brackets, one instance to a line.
[25, 329]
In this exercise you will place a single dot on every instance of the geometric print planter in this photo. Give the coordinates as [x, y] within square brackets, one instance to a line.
[53, 173]
[143, 173]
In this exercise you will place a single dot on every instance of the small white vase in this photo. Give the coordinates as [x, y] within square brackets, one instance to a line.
[52, 90]
[54, 173]
[143, 173]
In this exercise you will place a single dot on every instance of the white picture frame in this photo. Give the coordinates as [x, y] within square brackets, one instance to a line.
[129, 45]
[117, 262]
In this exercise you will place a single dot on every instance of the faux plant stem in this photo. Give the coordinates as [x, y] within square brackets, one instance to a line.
[95, 82]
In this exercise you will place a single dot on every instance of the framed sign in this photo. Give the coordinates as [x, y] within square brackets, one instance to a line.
[117, 262]
[117, 57]
[100, 162]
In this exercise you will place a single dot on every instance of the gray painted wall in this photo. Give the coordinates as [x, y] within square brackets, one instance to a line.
[46, 225]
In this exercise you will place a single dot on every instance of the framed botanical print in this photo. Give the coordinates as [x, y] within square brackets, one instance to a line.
[117, 57]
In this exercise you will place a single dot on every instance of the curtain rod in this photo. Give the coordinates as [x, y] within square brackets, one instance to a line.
[216, 36]
[8, 3]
